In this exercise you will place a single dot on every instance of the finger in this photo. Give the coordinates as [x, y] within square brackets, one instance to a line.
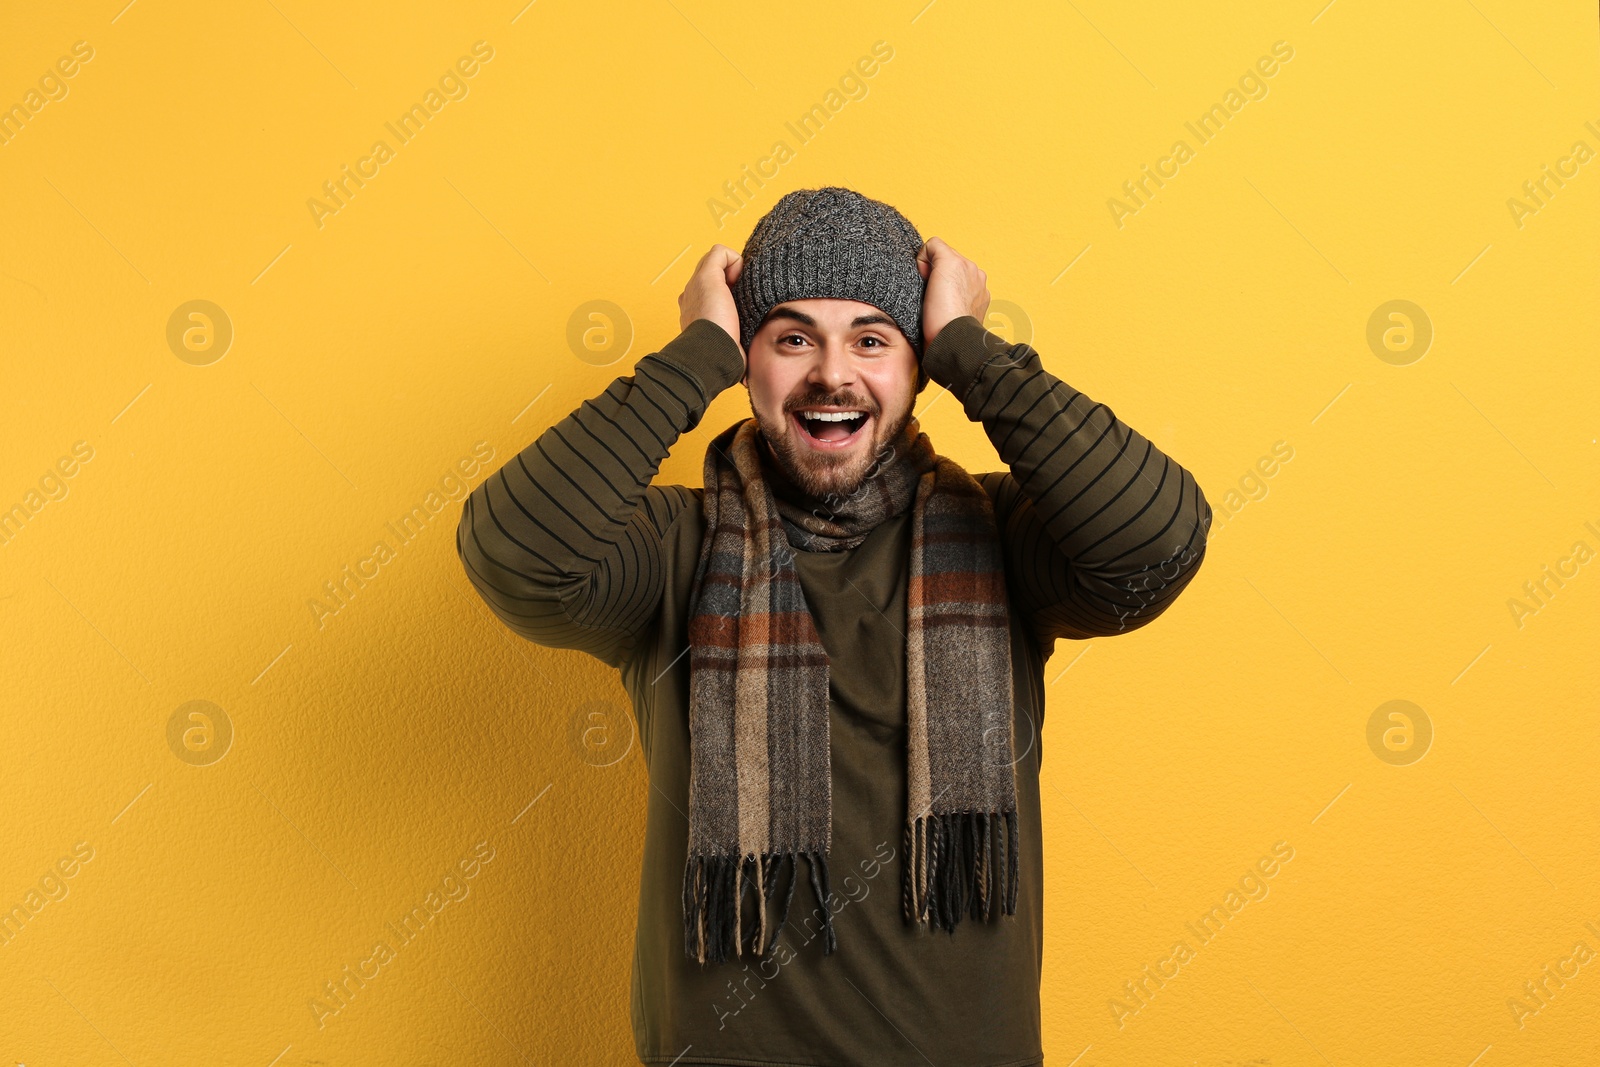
[715, 259]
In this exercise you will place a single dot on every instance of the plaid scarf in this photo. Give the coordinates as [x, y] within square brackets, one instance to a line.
[760, 789]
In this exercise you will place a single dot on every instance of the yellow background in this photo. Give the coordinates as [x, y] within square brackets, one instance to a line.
[374, 746]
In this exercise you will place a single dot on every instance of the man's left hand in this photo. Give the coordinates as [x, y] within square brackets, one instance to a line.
[956, 287]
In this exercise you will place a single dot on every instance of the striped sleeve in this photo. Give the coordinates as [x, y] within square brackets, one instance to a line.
[563, 542]
[1102, 529]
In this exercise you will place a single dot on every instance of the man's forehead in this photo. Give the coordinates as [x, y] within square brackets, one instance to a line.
[861, 314]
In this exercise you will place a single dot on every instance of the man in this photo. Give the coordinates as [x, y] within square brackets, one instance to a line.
[835, 648]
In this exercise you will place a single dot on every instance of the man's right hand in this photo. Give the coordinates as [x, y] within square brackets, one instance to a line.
[708, 296]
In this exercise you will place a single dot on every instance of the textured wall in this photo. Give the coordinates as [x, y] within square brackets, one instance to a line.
[250, 502]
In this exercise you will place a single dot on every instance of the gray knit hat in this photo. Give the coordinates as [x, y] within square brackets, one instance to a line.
[832, 242]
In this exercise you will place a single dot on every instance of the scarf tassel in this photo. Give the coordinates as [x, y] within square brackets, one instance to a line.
[959, 861]
[714, 891]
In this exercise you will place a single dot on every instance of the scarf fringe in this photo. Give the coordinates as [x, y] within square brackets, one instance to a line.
[713, 892]
[951, 866]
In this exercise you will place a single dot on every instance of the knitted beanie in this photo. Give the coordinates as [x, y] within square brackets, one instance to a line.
[832, 242]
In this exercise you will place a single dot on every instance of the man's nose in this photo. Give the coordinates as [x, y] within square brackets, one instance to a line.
[833, 368]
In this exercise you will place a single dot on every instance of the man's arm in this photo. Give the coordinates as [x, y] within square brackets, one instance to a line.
[1102, 529]
[563, 542]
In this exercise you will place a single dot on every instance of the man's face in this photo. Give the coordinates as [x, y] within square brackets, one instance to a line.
[828, 355]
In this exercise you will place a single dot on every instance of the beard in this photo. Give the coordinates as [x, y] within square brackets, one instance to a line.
[824, 475]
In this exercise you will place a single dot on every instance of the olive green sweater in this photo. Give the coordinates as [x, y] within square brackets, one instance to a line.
[571, 546]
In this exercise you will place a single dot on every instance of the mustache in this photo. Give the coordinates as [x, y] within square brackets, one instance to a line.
[832, 402]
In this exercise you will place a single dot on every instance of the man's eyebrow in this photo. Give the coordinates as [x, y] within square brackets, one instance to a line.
[870, 319]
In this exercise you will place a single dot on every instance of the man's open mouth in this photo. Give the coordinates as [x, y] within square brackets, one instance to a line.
[825, 428]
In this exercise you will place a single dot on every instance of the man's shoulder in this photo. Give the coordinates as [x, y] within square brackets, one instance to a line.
[665, 506]
[680, 522]
[997, 484]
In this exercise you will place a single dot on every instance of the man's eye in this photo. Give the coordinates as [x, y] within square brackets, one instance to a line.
[791, 337]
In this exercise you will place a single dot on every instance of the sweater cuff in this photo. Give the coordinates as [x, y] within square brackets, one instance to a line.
[706, 353]
[956, 357]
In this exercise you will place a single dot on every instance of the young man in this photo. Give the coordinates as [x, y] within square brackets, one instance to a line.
[835, 648]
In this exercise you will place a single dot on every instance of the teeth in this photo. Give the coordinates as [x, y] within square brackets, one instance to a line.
[831, 416]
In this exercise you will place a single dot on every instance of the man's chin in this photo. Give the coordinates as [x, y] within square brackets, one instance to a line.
[820, 474]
